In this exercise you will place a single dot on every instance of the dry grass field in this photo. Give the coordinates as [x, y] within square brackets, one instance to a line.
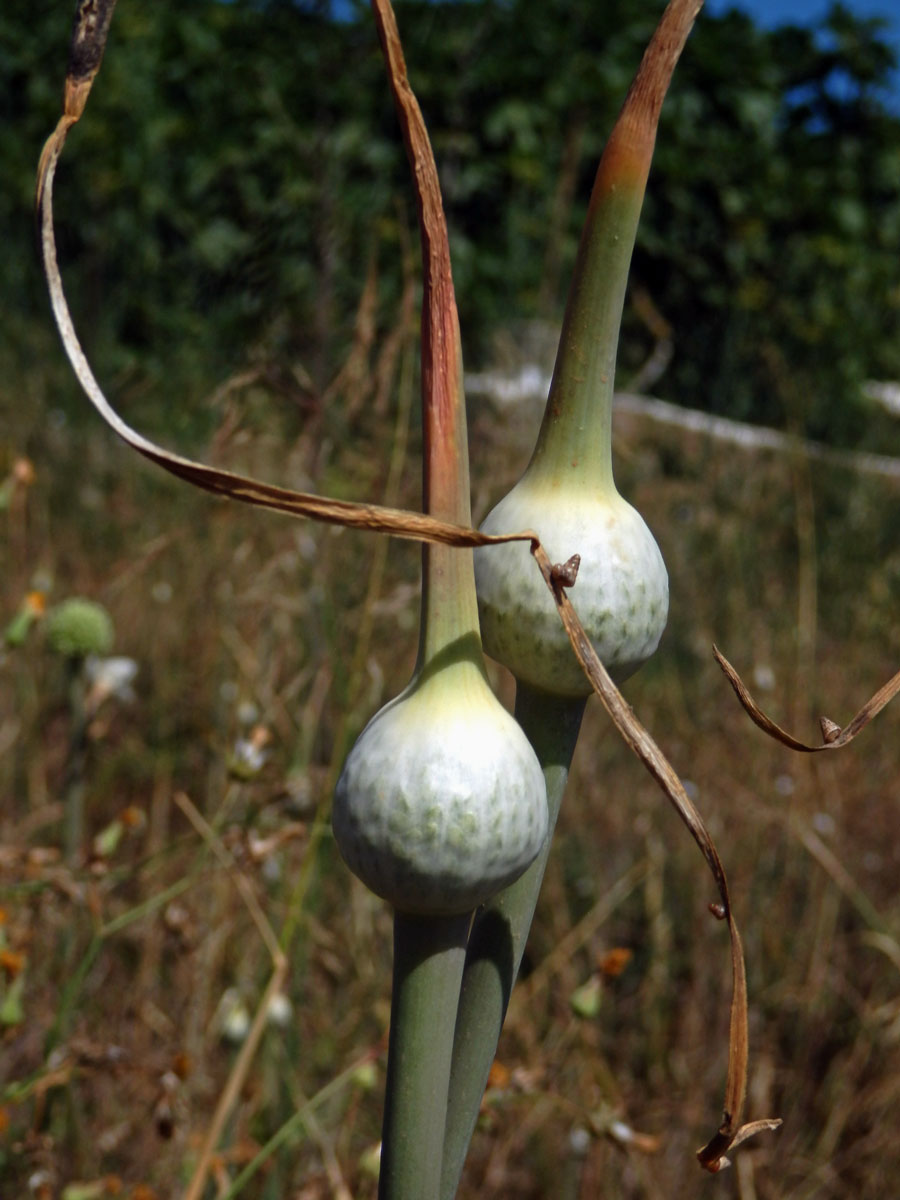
[134, 953]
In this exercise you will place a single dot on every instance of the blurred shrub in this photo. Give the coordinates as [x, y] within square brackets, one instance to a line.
[241, 163]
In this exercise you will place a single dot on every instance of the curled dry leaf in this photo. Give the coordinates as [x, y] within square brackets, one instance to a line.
[731, 1132]
[833, 736]
[442, 388]
[88, 41]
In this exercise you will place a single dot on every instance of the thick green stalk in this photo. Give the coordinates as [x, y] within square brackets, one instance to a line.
[429, 954]
[499, 934]
[573, 448]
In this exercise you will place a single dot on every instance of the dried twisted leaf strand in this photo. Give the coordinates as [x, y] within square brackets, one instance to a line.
[372, 517]
[446, 462]
[833, 736]
[731, 1132]
[89, 36]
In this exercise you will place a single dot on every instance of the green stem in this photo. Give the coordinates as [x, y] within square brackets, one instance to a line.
[573, 446]
[499, 934]
[575, 441]
[75, 766]
[429, 953]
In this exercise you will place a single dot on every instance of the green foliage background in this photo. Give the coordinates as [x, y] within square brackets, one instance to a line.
[239, 166]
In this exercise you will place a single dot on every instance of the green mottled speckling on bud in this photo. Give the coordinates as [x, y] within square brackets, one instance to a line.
[441, 802]
[79, 627]
[621, 594]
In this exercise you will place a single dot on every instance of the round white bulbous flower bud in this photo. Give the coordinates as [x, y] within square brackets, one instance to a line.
[442, 801]
[621, 594]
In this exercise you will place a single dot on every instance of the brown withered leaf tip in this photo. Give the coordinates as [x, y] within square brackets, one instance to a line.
[834, 736]
[831, 731]
[89, 33]
[372, 517]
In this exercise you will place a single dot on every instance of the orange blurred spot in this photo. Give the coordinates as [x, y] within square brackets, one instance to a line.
[181, 1065]
[2, 916]
[260, 736]
[4, 1119]
[614, 962]
[498, 1076]
[133, 817]
[113, 1185]
[23, 471]
[12, 962]
[35, 603]
[142, 1191]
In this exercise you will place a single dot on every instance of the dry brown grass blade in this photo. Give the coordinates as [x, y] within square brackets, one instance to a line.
[445, 443]
[833, 736]
[731, 1131]
[243, 1062]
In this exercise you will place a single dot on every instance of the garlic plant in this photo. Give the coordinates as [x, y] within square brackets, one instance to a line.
[444, 805]
[441, 803]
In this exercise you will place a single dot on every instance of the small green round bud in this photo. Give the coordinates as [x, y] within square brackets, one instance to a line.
[79, 627]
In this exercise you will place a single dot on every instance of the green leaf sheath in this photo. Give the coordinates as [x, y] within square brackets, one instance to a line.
[575, 437]
[429, 954]
[499, 934]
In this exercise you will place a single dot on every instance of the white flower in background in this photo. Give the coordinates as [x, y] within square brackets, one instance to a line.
[764, 677]
[280, 1010]
[247, 713]
[110, 677]
[249, 754]
[162, 591]
[232, 1019]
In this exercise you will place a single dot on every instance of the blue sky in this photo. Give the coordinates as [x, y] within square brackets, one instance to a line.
[810, 12]
[803, 12]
